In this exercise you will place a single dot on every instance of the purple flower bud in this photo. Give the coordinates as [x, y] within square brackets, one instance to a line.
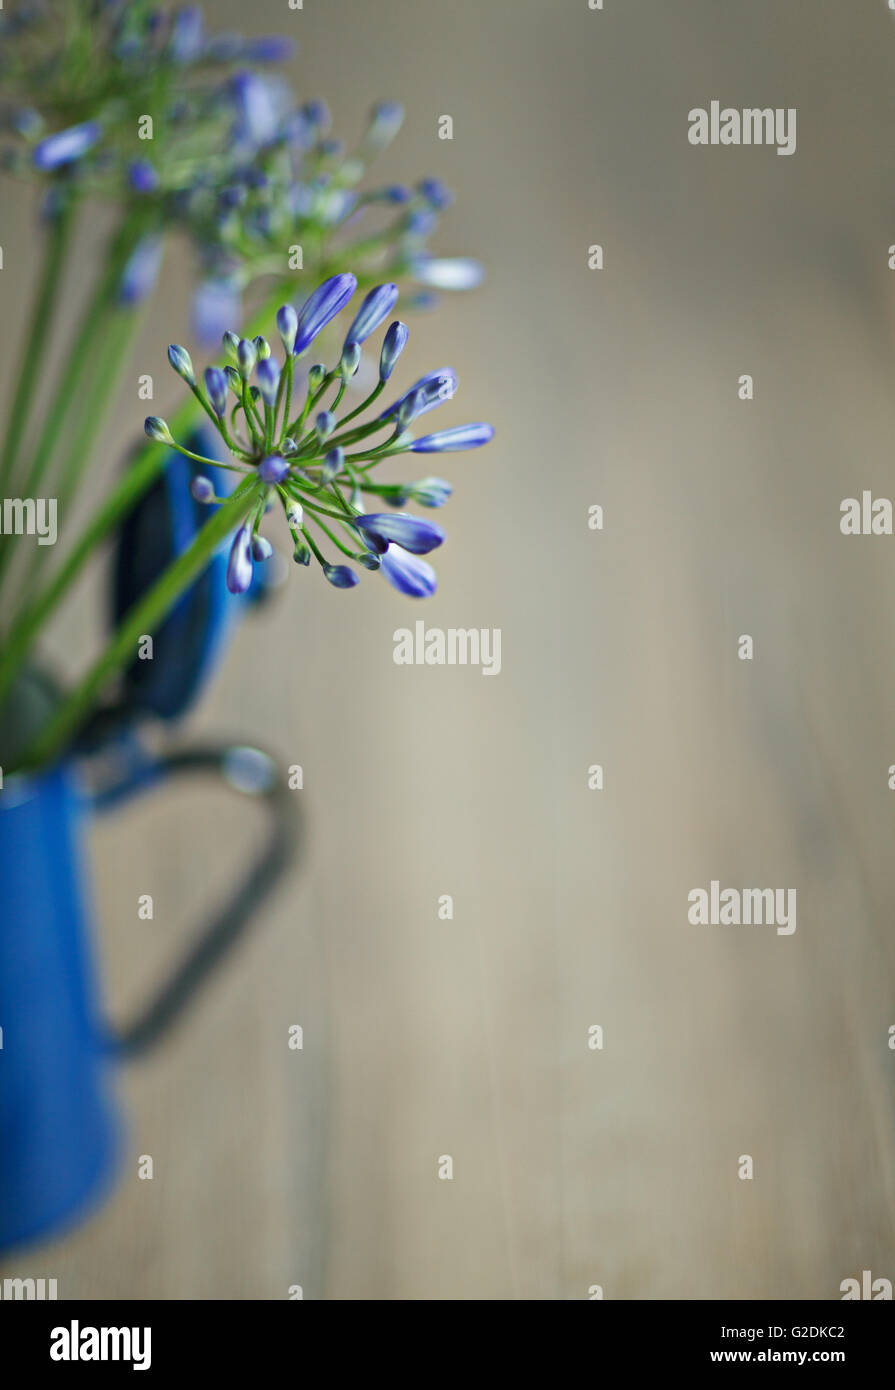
[267, 375]
[377, 306]
[321, 307]
[341, 576]
[187, 35]
[447, 441]
[397, 193]
[66, 146]
[202, 489]
[182, 363]
[408, 574]
[262, 347]
[430, 492]
[273, 469]
[257, 120]
[246, 356]
[287, 326]
[435, 193]
[141, 272]
[141, 176]
[155, 428]
[392, 347]
[216, 386]
[385, 122]
[332, 464]
[350, 360]
[411, 532]
[261, 548]
[234, 381]
[436, 387]
[270, 48]
[239, 566]
[421, 223]
[317, 112]
[410, 407]
[230, 343]
[324, 424]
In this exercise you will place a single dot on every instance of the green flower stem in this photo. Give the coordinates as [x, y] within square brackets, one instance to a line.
[364, 405]
[143, 618]
[93, 408]
[91, 330]
[58, 244]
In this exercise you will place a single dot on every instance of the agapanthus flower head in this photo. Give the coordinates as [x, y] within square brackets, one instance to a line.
[297, 449]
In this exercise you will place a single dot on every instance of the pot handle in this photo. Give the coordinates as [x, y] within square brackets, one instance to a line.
[253, 773]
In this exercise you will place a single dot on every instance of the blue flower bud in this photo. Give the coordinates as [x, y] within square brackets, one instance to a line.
[287, 326]
[273, 469]
[392, 346]
[411, 406]
[301, 554]
[385, 122]
[315, 377]
[187, 35]
[141, 271]
[202, 489]
[376, 307]
[261, 548]
[142, 176]
[270, 48]
[370, 560]
[239, 565]
[411, 532]
[156, 428]
[341, 576]
[435, 193]
[268, 378]
[234, 380]
[317, 112]
[66, 146]
[246, 357]
[436, 387]
[230, 343]
[257, 118]
[182, 363]
[324, 424]
[350, 360]
[430, 492]
[216, 387]
[460, 437]
[321, 307]
[408, 574]
[262, 347]
[332, 464]
[421, 222]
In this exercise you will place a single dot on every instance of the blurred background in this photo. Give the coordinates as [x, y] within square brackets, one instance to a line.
[618, 387]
